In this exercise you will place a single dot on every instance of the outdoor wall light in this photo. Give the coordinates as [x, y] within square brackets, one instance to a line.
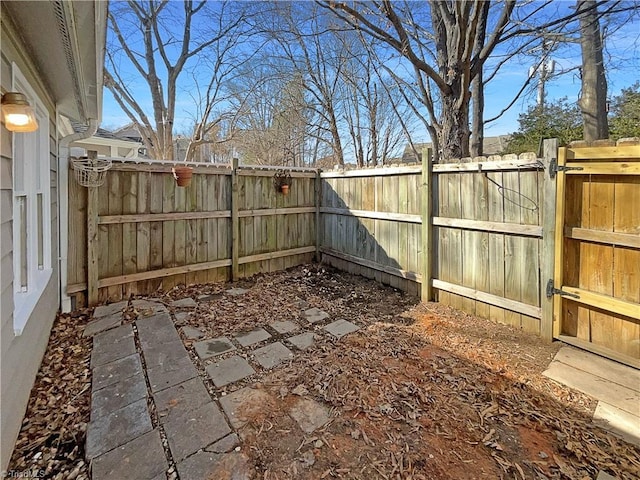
[17, 114]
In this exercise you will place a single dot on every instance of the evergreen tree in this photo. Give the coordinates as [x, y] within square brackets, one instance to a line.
[625, 113]
[558, 119]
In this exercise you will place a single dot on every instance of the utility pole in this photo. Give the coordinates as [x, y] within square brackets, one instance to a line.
[544, 69]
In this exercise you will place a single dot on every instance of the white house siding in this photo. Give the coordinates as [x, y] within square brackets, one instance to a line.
[20, 356]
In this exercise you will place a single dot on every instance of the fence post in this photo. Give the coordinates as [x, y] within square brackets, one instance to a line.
[550, 152]
[426, 293]
[318, 202]
[92, 240]
[235, 222]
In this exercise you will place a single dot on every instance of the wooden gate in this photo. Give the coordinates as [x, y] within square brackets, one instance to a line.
[596, 284]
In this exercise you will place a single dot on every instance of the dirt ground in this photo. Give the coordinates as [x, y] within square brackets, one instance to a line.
[421, 391]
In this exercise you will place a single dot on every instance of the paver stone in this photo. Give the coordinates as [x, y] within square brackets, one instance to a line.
[143, 457]
[254, 336]
[229, 370]
[118, 395]
[207, 465]
[309, 414]
[170, 374]
[195, 430]
[215, 346]
[117, 428]
[177, 401]
[241, 405]
[273, 354]
[116, 371]
[286, 326]
[112, 345]
[102, 324]
[156, 330]
[234, 292]
[341, 327]
[184, 303]
[112, 308]
[315, 315]
[225, 444]
[162, 353]
[303, 340]
[147, 308]
[192, 333]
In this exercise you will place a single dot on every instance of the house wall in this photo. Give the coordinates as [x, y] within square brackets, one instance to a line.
[20, 356]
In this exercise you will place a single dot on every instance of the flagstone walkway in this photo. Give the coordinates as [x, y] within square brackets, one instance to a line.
[152, 415]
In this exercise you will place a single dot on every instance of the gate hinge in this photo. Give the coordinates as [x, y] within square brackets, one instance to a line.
[555, 168]
[551, 291]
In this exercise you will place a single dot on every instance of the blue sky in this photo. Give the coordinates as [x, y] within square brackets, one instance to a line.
[622, 59]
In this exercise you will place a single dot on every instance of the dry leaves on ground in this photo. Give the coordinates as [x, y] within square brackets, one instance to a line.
[422, 391]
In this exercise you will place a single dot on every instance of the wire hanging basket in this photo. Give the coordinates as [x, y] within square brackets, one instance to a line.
[90, 172]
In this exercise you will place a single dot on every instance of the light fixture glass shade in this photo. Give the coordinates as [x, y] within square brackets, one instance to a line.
[17, 114]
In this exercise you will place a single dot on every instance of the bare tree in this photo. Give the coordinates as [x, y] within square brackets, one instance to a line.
[593, 100]
[448, 44]
[274, 120]
[299, 31]
[456, 43]
[152, 43]
[373, 109]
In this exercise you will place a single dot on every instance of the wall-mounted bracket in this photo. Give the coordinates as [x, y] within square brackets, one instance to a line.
[555, 168]
[551, 291]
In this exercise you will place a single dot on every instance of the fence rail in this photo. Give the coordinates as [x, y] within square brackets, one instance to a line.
[479, 235]
[139, 231]
[484, 229]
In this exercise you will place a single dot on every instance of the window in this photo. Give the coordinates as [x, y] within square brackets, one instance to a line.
[31, 209]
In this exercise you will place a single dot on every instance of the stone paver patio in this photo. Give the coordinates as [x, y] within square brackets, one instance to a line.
[153, 416]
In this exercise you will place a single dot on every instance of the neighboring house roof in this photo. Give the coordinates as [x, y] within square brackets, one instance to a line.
[101, 133]
[128, 131]
[66, 40]
[492, 146]
[106, 143]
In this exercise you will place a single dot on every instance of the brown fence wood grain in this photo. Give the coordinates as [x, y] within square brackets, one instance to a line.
[485, 230]
[148, 233]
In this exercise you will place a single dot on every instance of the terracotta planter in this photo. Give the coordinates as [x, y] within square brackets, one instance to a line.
[284, 189]
[183, 175]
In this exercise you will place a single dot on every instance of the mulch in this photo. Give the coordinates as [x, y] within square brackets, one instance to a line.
[421, 391]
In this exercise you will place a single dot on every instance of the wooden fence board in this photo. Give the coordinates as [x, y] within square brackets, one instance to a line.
[468, 241]
[455, 238]
[155, 231]
[443, 242]
[626, 278]
[129, 231]
[481, 213]
[496, 245]
[599, 269]
[513, 251]
[530, 264]
[143, 228]
[211, 204]
[370, 222]
[169, 247]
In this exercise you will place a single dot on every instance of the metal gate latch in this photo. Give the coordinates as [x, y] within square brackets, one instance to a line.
[551, 291]
[555, 168]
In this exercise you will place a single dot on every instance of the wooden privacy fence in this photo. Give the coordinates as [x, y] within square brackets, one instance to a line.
[596, 283]
[371, 222]
[488, 238]
[483, 236]
[139, 231]
[482, 244]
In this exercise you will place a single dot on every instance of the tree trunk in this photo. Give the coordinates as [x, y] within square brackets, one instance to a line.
[593, 101]
[453, 132]
[477, 127]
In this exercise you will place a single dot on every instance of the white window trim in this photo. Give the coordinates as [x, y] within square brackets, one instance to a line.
[38, 276]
